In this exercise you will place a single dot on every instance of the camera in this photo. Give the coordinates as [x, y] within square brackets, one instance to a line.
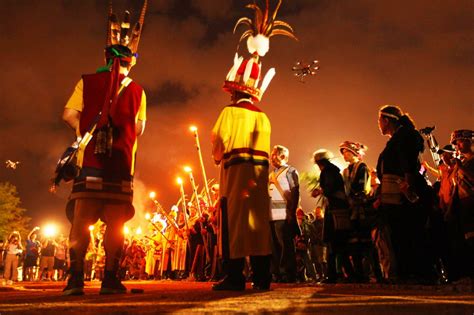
[427, 130]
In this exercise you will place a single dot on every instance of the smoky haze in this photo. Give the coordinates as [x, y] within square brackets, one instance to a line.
[415, 54]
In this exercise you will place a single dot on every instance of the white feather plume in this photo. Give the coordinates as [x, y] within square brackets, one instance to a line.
[267, 79]
[259, 44]
[233, 71]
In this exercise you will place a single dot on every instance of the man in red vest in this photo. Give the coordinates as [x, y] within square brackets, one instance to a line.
[116, 106]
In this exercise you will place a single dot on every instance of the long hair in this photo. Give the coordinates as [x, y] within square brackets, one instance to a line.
[396, 116]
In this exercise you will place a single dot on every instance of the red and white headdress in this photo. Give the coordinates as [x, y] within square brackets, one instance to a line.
[245, 74]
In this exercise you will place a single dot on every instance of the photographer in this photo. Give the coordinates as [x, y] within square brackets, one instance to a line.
[33, 247]
[13, 250]
[48, 248]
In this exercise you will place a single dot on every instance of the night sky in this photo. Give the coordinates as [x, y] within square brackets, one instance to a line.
[417, 54]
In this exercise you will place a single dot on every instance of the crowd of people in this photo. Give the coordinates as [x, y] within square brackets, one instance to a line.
[387, 224]
[41, 257]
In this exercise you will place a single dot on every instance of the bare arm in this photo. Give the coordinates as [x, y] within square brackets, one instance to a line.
[139, 127]
[72, 117]
[33, 231]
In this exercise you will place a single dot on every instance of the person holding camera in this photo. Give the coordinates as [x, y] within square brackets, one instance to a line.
[33, 248]
[13, 249]
[48, 248]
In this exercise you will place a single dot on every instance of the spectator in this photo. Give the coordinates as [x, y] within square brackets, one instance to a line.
[305, 267]
[48, 248]
[13, 250]
[285, 195]
[337, 216]
[319, 252]
[460, 214]
[60, 258]
[33, 247]
[405, 198]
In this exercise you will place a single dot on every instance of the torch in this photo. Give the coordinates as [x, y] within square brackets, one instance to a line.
[188, 170]
[194, 130]
[159, 208]
[183, 198]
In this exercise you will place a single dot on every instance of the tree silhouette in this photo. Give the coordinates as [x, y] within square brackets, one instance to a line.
[12, 216]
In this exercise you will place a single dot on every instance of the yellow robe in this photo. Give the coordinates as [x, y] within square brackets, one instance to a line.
[241, 146]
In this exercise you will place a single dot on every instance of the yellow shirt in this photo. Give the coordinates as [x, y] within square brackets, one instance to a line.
[240, 133]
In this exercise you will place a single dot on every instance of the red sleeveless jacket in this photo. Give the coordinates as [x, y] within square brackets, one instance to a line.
[123, 116]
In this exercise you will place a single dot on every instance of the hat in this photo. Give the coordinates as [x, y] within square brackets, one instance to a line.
[461, 134]
[322, 154]
[245, 74]
[355, 147]
[119, 33]
[447, 148]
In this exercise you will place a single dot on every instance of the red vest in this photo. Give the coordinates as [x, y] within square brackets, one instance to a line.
[119, 165]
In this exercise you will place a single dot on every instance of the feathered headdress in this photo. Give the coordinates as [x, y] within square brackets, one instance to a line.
[244, 76]
[262, 27]
[120, 33]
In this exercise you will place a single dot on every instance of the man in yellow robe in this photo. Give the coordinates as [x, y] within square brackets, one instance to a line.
[241, 146]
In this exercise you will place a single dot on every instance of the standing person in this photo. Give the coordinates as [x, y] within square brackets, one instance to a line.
[245, 229]
[445, 170]
[285, 195]
[358, 186]
[336, 217]
[13, 251]
[319, 254]
[60, 258]
[241, 146]
[304, 264]
[46, 266]
[460, 214]
[104, 188]
[32, 252]
[405, 199]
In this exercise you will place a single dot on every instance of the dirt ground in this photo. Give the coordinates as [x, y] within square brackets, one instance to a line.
[197, 297]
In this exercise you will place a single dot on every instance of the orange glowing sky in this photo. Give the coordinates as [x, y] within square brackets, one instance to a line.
[416, 54]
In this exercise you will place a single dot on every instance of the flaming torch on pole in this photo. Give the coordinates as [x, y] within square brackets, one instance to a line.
[188, 170]
[194, 130]
[183, 201]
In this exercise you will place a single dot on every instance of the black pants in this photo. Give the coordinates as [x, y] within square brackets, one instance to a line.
[234, 268]
[283, 249]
